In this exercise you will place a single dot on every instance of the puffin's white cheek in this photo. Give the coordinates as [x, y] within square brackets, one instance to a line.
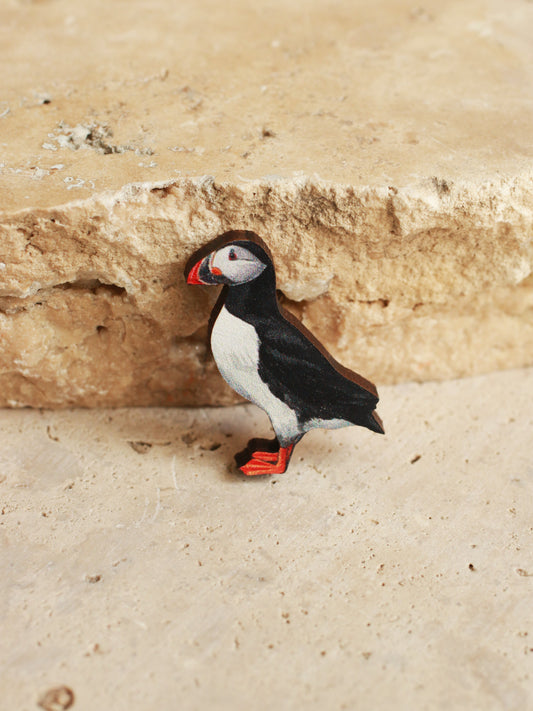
[233, 271]
[217, 262]
[249, 270]
[238, 271]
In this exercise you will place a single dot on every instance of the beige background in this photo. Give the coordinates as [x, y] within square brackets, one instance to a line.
[392, 140]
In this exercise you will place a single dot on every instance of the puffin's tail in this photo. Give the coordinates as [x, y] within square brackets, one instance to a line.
[374, 423]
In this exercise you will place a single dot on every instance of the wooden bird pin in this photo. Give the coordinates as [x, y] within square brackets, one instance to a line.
[266, 355]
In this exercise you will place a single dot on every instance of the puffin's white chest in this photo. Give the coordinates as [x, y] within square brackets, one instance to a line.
[235, 347]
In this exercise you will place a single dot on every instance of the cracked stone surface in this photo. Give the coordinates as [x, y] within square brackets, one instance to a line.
[383, 151]
[389, 573]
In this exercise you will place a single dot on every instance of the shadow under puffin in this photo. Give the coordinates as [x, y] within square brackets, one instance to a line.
[267, 356]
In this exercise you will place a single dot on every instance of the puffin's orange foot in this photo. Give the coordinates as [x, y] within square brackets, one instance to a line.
[268, 462]
[258, 448]
[265, 456]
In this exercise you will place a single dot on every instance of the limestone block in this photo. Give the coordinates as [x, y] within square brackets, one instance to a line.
[383, 152]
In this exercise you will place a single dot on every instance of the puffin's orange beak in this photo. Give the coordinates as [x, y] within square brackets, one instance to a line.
[193, 277]
[206, 270]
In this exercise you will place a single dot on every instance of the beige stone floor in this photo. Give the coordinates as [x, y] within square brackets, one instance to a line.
[387, 572]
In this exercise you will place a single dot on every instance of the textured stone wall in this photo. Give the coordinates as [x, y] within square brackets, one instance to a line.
[431, 283]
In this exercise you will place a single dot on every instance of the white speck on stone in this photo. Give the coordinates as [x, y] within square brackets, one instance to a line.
[63, 141]
[481, 28]
[39, 173]
[2, 265]
[306, 290]
[79, 133]
[521, 271]
[49, 147]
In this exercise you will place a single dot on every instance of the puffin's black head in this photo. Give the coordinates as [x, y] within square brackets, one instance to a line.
[232, 262]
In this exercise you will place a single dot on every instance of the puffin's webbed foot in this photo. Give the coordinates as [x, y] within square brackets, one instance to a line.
[268, 447]
[263, 456]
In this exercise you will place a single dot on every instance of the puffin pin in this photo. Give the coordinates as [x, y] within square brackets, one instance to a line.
[266, 355]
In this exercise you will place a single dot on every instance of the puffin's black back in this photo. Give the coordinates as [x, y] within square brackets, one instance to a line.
[299, 375]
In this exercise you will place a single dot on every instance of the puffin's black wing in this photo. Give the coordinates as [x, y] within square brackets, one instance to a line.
[302, 376]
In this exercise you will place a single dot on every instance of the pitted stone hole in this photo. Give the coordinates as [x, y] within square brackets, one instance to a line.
[162, 192]
[93, 135]
[380, 302]
[94, 285]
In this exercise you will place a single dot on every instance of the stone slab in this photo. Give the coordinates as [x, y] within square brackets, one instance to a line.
[373, 94]
[383, 150]
[388, 573]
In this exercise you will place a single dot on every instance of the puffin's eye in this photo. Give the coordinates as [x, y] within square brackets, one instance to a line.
[232, 256]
